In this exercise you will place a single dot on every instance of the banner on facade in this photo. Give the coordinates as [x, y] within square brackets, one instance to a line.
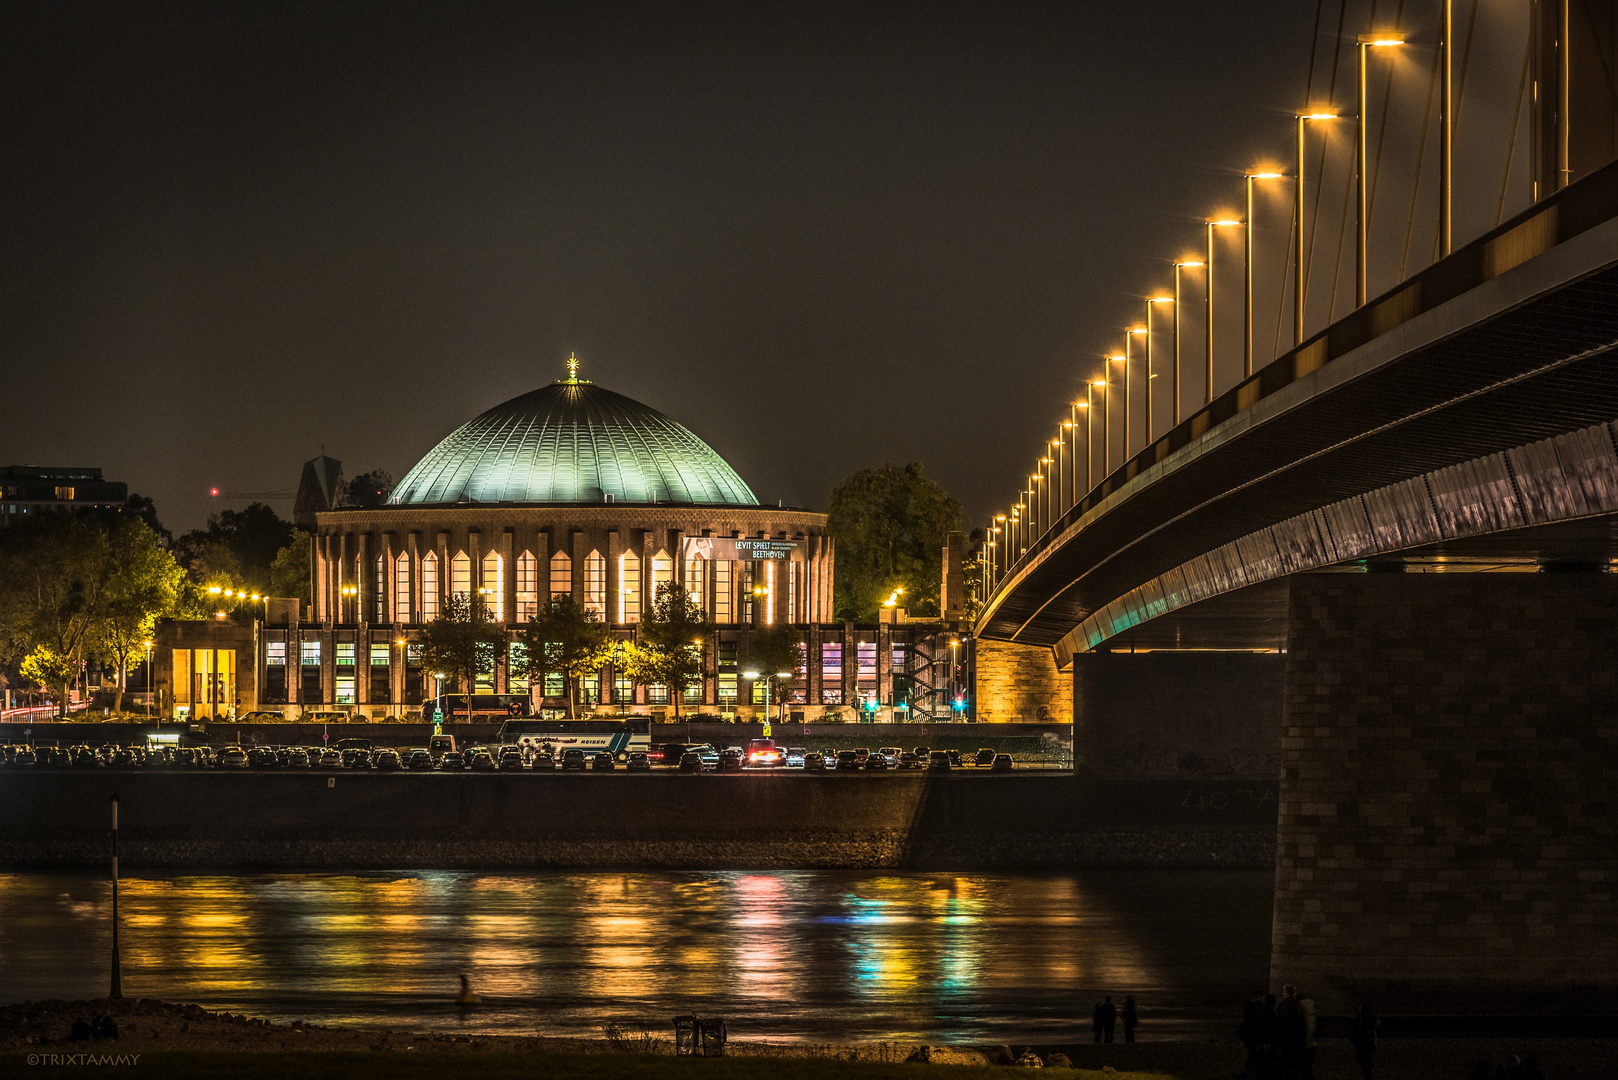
[742, 549]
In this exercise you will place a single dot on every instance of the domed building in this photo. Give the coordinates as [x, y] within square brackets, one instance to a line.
[570, 489]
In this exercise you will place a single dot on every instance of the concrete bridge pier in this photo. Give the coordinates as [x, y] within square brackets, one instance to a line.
[1448, 828]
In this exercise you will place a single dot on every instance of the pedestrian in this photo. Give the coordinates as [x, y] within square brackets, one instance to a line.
[1363, 1036]
[1095, 1022]
[1109, 1019]
[1250, 1031]
[1131, 1017]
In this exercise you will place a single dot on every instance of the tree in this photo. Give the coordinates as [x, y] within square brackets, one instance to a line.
[290, 573]
[462, 642]
[772, 650]
[144, 583]
[252, 537]
[52, 670]
[889, 524]
[567, 639]
[367, 489]
[54, 572]
[669, 652]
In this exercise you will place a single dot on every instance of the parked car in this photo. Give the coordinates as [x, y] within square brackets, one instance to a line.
[85, 758]
[668, 753]
[954, 757]
[639, 762]
[263, 757]
[985, 756]
[122, 757]
[330, 759]
[543, 760]
[911, 760]
[573, 759]
[707, 752]
[452, 762]
[419, 760]
[387, 760]
[1002, 763]
[848, 759]
[762, 754]
[938, 761]
[730, 759]
[483, 761]
[259, 717]
[23, 758]
[298, 759]
[877, 763]
[50, 756]
[357, 759]
[233, 757]
[921, 751]
[511, 760]
[814, 761]
[891, 753]
[862, 752]
[603, 762]
[795, 757]
[691, 762]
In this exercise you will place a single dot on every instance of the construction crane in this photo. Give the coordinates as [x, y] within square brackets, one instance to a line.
[254, 496]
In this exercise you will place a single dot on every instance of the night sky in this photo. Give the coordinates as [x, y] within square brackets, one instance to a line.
[822, 237]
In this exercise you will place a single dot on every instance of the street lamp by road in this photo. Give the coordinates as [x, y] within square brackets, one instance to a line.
[1247, 319]
[149, 710]
[1300, 256]
[1175, 330]
[1106, 412]
[1361, 188]
[1207, 389]
[769, 681]
[1129, 399]
[1151, 429]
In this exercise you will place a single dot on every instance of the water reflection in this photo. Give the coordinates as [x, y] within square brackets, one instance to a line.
[795, 955]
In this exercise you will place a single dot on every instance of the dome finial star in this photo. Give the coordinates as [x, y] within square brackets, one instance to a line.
[572, 367]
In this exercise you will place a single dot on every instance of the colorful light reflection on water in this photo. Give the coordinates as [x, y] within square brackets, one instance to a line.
[810, 955]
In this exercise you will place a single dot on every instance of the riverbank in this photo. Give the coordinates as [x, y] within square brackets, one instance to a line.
[659, 820]
[172, 1040]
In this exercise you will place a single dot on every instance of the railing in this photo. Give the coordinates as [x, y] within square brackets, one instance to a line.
[1553, 220]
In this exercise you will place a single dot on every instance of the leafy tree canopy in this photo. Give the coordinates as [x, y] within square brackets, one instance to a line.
[367, 489]
[772, 650]
[239, 544]
[145, 583]
[291, 574]
[669, 652]
[889, 524]
[462, 643]
[567, 639]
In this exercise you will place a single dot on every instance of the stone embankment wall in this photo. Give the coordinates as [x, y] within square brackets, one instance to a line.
[1448, 809]
[1020, 684]
[627, 821]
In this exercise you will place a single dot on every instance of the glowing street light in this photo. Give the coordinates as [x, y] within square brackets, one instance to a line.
[1247, 319]
[1208, 299]
[1129, 397]
[1298, 267]
[1151, 417]
[1362, 190]
[1175, 329]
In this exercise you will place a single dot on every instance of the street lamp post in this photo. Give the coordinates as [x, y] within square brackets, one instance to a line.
[1151, 415]
[1174, 329]
[1301, 254]
[1247, 316]
[150, 712]
[1129, 399]
[1446, 124]
[1362, 190]
[1208, 292]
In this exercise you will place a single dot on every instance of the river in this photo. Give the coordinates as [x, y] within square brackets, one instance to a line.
[787, 955]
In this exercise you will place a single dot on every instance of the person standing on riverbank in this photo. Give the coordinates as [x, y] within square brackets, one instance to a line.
[1130, 1017]
[1105, 1019]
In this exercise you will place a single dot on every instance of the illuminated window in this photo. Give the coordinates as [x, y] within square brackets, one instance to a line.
[721, 590]
[345, 690]
[794, 614]
[693, 583]
[555, 685]
[401, 588]
[865, 673]
[527, 586]
[744, 589]
[629, 587]
[727, 689]
[590, 686]
[379, 598]
[494, 586]
[309, 653]
[517, 668]
[831, 673]
[460, 575]
[657, 694]
[379, 656]
[623, 691]
[429, 587]
[275, 653]
[561, 575]
[345, 654]
[595, 583]
[662, 572]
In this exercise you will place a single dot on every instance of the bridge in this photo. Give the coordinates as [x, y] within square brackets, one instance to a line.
[1376, 567]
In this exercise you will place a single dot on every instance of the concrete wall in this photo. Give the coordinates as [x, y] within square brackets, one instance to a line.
[1020, 683]
[1450, 771]
[628, 821]
[1164, 714]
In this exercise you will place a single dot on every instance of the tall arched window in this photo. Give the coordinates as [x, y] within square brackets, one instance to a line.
[493, 590]
[460, 575]
[561, 575]
[429, 587]
[379, 593]
[693, 582]
[595, 583]
[721, 590]
[401, 588]
[629, 587]
[662, 572]
[527, 586]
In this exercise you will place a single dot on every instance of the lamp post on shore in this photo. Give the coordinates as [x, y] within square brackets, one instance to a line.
[1208, 294]
[1362, 190]
[1175, 331]
[1298, 271]
[1247, 315]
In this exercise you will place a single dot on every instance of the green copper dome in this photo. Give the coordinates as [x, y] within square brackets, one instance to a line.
[572, 442]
